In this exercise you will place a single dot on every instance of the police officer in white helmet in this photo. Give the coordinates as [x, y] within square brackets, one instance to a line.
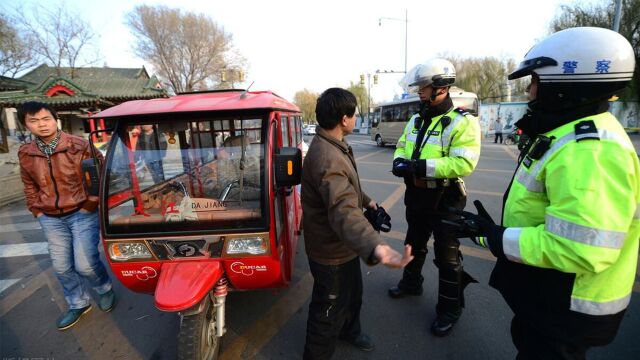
[439, 146]
[567, 249]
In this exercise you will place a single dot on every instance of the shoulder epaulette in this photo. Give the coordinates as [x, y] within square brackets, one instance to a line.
[586, 130]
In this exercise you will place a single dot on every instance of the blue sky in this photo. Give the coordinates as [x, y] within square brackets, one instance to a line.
[291, 45]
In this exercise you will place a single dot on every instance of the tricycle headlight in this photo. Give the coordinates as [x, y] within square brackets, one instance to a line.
[127, 251]
[247, 245]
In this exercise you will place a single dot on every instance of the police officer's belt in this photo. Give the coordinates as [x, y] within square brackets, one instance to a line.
[432, 183]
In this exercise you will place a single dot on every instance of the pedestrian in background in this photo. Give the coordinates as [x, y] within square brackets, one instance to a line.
[498, 130]
[336, 232]
[568, 246]
[51, 170]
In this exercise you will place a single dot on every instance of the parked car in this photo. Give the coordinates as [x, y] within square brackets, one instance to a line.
[309, 130]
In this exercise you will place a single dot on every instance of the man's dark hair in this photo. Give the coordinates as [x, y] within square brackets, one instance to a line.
[332, 105]
[32, 107]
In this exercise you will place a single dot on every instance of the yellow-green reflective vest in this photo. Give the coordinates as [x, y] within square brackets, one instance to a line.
[450, 152]
[576, 210]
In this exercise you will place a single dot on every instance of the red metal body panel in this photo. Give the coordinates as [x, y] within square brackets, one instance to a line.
[182, 284]
[140, 277]
[213, 101]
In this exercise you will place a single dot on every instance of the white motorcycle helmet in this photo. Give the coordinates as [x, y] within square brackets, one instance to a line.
[435, 72]
[578, 65]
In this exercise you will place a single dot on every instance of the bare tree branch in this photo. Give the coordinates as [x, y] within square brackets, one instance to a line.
[187, 49]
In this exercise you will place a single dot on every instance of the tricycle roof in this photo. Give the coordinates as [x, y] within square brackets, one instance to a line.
[220, 100]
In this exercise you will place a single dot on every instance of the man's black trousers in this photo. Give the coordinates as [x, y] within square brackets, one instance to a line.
[334, 311]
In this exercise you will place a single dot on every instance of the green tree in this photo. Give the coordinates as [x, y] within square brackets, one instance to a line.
[189, 50]
[602, 15]
[306, 100]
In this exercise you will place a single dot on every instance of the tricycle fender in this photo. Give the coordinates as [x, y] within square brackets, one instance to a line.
[182, 284]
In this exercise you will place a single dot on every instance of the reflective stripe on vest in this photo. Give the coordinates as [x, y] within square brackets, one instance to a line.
[528, 179]
[600, 308]
[511, 244]
[584, 234]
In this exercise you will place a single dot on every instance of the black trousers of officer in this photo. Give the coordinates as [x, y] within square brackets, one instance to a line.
[425, 210]
[533, 344]
[334, 311]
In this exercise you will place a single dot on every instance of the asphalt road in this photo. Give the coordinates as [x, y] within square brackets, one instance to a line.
[271, 324]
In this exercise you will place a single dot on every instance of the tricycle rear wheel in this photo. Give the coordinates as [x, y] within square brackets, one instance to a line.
[197, 338]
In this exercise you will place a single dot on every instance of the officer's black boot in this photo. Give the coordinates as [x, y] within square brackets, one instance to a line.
[450, 299]
[412, 279]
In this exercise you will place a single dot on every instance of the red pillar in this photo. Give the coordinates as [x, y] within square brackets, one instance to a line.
[92, 127]
[104, 134]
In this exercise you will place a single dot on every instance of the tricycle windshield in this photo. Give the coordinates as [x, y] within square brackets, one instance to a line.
[185, 175]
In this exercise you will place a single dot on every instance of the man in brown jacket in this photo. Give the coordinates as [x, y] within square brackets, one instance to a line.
[336, 231]
[51, 170]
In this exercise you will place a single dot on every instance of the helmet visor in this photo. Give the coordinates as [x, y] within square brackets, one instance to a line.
[526, 67]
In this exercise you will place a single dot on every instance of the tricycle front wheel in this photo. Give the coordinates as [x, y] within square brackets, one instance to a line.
[197, 338]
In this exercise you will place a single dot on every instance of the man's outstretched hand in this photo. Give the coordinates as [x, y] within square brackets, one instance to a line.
[391, 258]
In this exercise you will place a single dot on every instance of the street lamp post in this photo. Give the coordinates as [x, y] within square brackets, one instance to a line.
[406, 29]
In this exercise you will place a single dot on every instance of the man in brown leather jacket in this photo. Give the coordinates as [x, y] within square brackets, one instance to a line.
[51, 170]
[336, 233]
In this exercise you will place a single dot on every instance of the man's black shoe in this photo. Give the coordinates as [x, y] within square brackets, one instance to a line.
[442, 326]
[397, 292]
[362, 342]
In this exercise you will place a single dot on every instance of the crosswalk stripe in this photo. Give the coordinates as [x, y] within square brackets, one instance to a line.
[6, 228]
[28, 249]
[15, 213]
[4, 284]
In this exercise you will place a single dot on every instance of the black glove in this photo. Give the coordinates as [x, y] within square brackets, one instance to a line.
[403, 167]
[480, 228]
[379, 219]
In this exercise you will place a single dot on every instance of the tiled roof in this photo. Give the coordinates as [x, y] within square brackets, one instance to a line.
[99, 87]
[103, 81]
[7, 83]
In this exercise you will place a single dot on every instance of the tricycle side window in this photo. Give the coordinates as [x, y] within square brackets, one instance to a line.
[186, 174]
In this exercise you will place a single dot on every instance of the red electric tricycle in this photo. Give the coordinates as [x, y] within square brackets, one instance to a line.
[198, 197]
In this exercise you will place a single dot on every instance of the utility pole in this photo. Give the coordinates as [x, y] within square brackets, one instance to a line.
[616, 19]
[406, 31]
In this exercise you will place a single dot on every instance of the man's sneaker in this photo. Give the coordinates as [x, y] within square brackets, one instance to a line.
[107, 301]
[72, 317]
[397, 292]
[362, 342]
[442, 325]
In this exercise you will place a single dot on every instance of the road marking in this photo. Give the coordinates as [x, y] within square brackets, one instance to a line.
[511, 152]
[15, 213]
[382, 182]
[374, 163]
[28, 249]
[249, 344]
[494, 171]
[17, 227]
[368, 155]
[4, 284]
[489, 193]
[393, 198]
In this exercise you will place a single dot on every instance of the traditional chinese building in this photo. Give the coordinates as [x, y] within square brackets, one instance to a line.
[76, 93]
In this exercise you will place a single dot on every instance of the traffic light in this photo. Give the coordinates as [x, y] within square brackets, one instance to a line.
[362, 79]
[375, 79]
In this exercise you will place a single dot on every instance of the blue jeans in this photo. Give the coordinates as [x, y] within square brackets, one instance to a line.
[73, 247]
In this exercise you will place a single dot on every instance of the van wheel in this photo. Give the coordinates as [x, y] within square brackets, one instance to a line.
[197, 338]
[379, 141]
